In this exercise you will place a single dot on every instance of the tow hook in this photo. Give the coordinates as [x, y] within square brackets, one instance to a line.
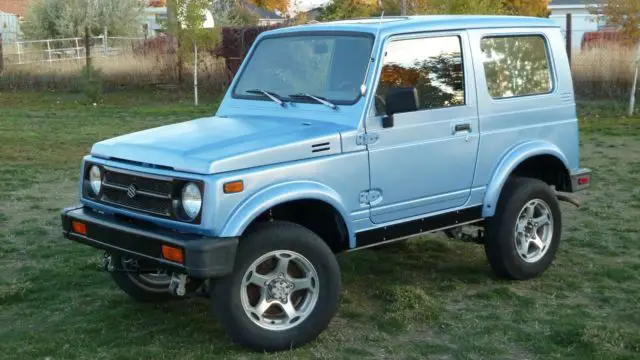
[177, 284]
[107, 263]
[567, 198]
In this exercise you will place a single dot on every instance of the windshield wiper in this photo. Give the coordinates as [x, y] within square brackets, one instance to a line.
[271, 95]
[317, 99]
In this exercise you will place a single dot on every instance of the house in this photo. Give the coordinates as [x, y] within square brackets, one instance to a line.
[9, 27]
[154, 19]
[265, 17]
[15, 7]
[583, 20]
[311, 15]
[11, 13]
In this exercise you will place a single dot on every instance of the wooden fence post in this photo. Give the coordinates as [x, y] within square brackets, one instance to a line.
[87, 50]
[195, 73]
[49, 50]
[569, 36]
[634, 87]
[1, 56]
[19, 47]
[105, 39]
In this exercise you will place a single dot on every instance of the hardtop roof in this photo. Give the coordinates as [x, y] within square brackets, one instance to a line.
[403, 24]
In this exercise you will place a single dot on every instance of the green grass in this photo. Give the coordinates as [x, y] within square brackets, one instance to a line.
[426, 298]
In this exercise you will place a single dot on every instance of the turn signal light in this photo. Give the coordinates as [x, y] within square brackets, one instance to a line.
[79, 227]
[172, 254]
[233, 187]
[583, 180]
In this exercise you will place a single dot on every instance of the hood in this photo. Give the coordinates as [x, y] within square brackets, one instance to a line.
[219, 144]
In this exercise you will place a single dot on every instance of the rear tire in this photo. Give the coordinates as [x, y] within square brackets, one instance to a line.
[147, 287]
[284, 289]
[524, 234]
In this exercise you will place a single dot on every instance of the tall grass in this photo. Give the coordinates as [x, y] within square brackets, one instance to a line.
[123, 71]
[600, 73]
[604, 72]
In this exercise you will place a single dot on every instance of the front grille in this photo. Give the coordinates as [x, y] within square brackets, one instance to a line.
[155, 185]
[155, 195]
[139, 202]
[152, 194]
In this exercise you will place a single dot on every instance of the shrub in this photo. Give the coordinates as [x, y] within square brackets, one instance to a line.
[124, 71]
[604, 72]
[236, 42]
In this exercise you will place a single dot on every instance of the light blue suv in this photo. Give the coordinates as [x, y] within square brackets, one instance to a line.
[335, 137]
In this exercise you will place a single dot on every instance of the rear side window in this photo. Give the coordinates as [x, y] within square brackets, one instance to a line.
[516, 66]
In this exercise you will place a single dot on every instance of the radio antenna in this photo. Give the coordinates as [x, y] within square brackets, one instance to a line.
[363, 87]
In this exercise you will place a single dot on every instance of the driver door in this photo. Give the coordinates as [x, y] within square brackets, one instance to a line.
[425, 162]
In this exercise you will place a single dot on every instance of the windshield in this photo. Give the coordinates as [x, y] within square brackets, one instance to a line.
[327, 66]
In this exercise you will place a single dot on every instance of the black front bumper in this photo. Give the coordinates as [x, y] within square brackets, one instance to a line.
[204, 257]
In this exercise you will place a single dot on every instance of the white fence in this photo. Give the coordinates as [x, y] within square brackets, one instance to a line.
[53, 50]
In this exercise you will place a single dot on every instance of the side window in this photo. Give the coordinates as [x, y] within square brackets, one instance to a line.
[431, 65]
[516, 66]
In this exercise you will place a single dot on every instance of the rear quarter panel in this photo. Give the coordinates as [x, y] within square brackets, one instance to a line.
[508, 125]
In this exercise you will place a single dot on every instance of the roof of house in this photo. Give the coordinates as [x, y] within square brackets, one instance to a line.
[16, 7]
[405, 24]
[261, 12]
[576, 3]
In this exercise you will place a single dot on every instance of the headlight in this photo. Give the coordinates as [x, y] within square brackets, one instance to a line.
[95, 179]
[191, 200]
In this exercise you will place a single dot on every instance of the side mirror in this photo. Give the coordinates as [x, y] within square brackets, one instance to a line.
[399, 100]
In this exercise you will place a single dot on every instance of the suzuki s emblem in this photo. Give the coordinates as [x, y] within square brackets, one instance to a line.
[132, 191]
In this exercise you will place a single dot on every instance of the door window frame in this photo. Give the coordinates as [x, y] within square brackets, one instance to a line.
[550, 62]
[467, 64]
[483, 90]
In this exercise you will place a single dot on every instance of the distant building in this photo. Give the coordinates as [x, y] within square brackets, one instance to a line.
[15, 7]
[311, 15]
[154, 19]
[9, 27]
[265, 17]
[582, 19]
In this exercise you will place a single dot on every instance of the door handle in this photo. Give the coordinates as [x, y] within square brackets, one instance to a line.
[461, 127]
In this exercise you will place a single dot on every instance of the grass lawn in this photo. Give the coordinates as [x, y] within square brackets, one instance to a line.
[427, 298]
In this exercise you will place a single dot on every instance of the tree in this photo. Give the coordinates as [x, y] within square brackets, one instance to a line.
[279, 5]
[622, 14]
[481, 7]
[347, 9]
[342, 9]
[48, 19]
[539, 8]
[191, 34]
[232, 13]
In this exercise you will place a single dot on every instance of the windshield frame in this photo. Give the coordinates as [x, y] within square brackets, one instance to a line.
[285, 97]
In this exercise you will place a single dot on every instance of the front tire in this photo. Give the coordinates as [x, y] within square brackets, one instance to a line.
[524, 234]
[284, 289]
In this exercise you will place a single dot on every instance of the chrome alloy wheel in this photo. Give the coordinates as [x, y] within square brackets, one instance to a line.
[279, 290]
[534, 230]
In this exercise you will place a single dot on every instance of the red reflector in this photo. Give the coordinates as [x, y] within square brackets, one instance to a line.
[79, 227]
[172, 254]
[583, 180]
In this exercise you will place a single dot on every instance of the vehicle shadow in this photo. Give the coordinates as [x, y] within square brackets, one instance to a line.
[433, 258]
